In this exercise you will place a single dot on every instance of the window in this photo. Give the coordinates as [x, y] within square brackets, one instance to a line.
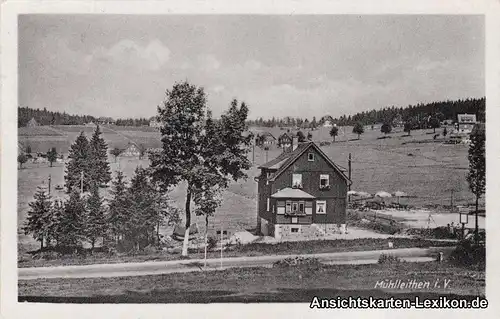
[321, 207]
[295, 230]
[295, 220]
[295, 207]
[288, 209]
[310, 157]
[297, 181]
[301, 207]
[268, 204]
[324, 181]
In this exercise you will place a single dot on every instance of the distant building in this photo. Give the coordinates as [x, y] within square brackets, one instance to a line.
[154, 123]
[105, 121]
[327, 123]
[32, 123]
[398, 121]
[465, 123]
[132, 151]
[90, 124]
[285, 140]
[267, 139]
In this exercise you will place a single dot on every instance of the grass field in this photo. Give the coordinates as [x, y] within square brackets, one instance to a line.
[277, 284]
[253, 249]
[429, 174]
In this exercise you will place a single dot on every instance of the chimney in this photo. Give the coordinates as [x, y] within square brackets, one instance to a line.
[295, 142]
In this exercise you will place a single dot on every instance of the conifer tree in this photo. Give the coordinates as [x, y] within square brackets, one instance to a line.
[56, 217]
[78, 164]
[71, 224]
[100, 173]
[37, 223]
[476, 177]
[95, 221]
[118, 207]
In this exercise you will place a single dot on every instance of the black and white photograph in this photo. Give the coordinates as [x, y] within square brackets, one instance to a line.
[332, 160]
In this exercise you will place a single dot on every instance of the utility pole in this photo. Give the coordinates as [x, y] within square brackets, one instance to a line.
[451, 199]
[49, 183]
[253, 152]
[349, 165]
[221, 232]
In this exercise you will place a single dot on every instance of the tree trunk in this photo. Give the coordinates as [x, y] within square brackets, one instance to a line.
[188, 222]
[206, 239]
[477, 221]
[93, 244]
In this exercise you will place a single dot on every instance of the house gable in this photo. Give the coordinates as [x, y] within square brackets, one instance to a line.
[320, 155]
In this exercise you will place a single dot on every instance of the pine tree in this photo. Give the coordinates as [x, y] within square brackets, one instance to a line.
[78, 164]
[119, 206]
[54, 226]
[37, 221]
[476, 177]
[71, 224]
[95, 222]
[100, 173]
[143, 212]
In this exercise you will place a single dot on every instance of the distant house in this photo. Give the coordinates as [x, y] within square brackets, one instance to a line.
[465, 123]
[154, 123]
[397, 121]
[105, 120]
[131, 151]
[267, 139]
[301, 193]
[32, 123]
[327, 123]
[90, 124]
[285, 140]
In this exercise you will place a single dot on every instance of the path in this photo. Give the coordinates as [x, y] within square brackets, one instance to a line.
[178, 266]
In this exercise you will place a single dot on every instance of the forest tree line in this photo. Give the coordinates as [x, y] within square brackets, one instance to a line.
[443, 110]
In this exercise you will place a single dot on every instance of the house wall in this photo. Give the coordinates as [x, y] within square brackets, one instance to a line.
[264, 192]
[335, 197]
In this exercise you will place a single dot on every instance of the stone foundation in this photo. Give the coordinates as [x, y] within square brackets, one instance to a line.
[288, 231]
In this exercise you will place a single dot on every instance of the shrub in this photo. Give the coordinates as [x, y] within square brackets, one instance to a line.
[389, 259]
[211, 243]
[468, 254]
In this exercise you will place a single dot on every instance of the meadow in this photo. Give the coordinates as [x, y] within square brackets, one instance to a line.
[430, 172]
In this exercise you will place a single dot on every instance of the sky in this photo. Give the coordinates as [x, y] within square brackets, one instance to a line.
[288, 65]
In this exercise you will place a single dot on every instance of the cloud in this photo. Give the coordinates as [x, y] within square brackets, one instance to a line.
[208, 62]
[153, 56]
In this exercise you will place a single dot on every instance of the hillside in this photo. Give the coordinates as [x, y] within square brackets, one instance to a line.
[42, 138]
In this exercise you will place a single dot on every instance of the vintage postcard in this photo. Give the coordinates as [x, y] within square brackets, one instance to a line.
[301, 159]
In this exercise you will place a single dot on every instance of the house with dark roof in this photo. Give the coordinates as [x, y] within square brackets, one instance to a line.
[267, 139]
[302, 192]
[285, 140]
